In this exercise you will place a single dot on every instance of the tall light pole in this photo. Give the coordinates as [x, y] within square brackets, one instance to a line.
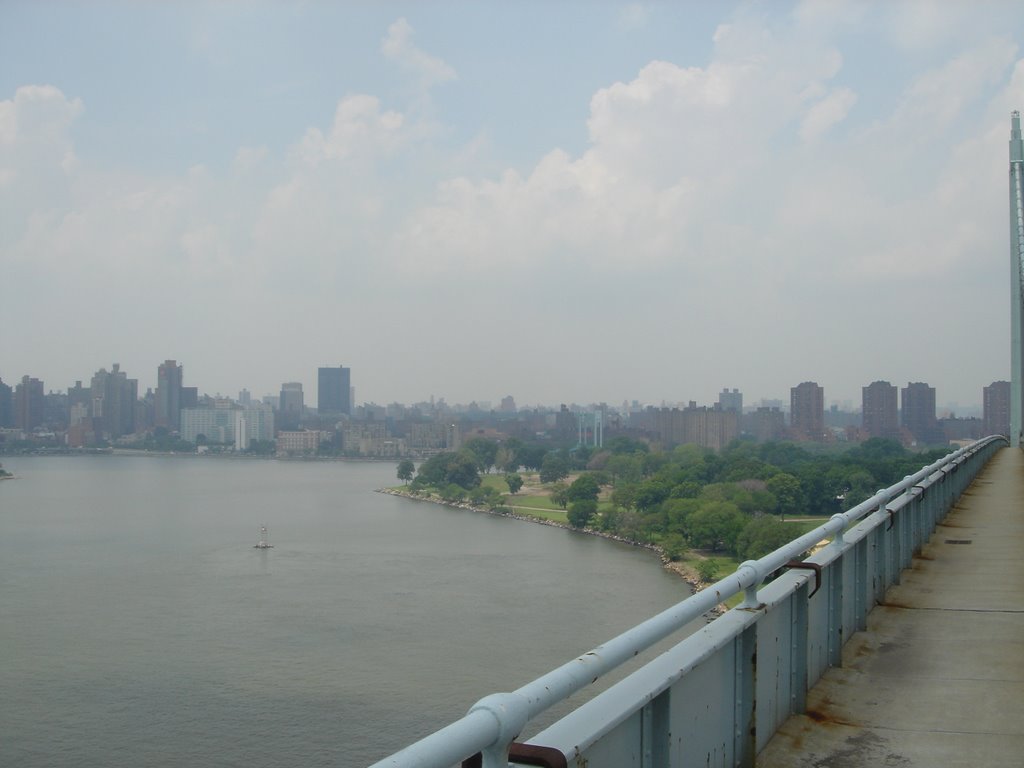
[1016, 265]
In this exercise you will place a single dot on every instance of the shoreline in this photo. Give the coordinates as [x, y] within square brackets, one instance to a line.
[685, 573]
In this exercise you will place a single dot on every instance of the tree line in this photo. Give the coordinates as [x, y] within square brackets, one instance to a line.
[732, 502]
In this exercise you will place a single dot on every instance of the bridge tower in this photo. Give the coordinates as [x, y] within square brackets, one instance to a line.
[1016, 270]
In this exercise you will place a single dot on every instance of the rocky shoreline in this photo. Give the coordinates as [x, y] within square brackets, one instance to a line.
[685, 573]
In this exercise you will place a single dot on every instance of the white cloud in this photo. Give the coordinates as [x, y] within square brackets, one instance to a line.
[250, 157]
[826, 113]
[398, 46]
[920, 24]
[634, 16]
[34, 131]
[715, 206]
[359, 128]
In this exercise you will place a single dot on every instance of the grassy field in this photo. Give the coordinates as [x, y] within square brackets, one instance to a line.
[534, 502]
[554, 515]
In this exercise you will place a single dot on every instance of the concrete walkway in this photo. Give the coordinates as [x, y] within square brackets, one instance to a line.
[938, 677]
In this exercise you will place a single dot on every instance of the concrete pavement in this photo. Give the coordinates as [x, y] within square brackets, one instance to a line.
[938, 677]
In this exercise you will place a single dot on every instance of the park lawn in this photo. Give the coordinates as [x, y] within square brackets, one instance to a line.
[537, 502]
[554, 515]
[497, 482]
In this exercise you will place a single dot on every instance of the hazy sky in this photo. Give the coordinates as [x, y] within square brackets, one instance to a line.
[558, 201]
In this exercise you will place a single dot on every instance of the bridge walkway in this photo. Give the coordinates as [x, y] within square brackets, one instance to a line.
[938, 677]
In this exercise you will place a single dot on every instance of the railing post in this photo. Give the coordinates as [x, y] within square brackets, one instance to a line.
[511, 713]
[744, 720]
[862, 584]
[799, 630]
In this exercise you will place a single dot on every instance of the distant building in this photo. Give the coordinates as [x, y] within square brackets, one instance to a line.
[113, 397]
[28, 404]
[731, 401]
[880, 410]
[210, 425]
[290, 406]
[996, 409]
[189, 397]
[918, 413]
[431, 436]
[254, 421]
[961, 430]
[6, 405]
[333, 392]
[168, 395]
[508, 404]
[767, 424]
[707, 427]
[371, 439]
[807, 411]
[298, 442]
[55, 410]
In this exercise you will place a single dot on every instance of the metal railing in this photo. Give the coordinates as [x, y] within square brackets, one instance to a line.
[718, 696]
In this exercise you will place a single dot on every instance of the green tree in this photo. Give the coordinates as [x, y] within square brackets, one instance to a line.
[531, 455]
[760, 536]
[651, 493]
[433, 470]
[553, 468]
[453, 492]
[447, 467]
[560, 495]
[484, 494]
[584, 487]
[581, 512]
[624, 467]
[505, 459]
[624, 495]
[627, 445]
[406, 469]
[707, 570]
[485, 451]
[462, 470]
[674, 546]
[715, 526]
[789, 496]
[514, 481]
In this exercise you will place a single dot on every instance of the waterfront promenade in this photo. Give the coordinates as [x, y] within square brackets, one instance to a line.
[938, 677]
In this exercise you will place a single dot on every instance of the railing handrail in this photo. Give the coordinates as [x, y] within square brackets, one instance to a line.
[496, 720]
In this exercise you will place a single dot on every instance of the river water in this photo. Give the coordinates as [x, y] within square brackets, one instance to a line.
[139, 626]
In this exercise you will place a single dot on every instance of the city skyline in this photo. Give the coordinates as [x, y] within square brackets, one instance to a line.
[633, 202]
[308, 398]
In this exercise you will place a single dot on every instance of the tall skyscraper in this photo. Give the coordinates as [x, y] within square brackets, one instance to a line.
[996, 408]
[807, 411]
[168, 395]
[6, 405]
[918, 413]
[731, 401]
[333, 391]
[880, 410]
[290, 405]
[1016, 268]
[29, 400]
[113, 397]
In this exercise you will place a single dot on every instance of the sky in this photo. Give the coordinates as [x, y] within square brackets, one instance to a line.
[559, 201]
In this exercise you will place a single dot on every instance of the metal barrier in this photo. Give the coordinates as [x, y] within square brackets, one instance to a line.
[718, 696]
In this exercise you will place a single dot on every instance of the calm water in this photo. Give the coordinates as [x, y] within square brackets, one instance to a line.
[139, 627]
